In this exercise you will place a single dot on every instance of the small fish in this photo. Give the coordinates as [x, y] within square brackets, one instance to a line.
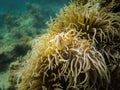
[60, 43]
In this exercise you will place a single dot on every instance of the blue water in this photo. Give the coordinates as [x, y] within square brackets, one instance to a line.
[18, 6]
[13, 10]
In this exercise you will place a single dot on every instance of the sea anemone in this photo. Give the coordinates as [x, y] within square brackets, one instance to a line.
[73, 54]
[99, 25]
[64, 62]
[96, 22]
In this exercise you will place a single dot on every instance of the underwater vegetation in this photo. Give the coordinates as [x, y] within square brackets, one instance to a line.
[80, 51]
